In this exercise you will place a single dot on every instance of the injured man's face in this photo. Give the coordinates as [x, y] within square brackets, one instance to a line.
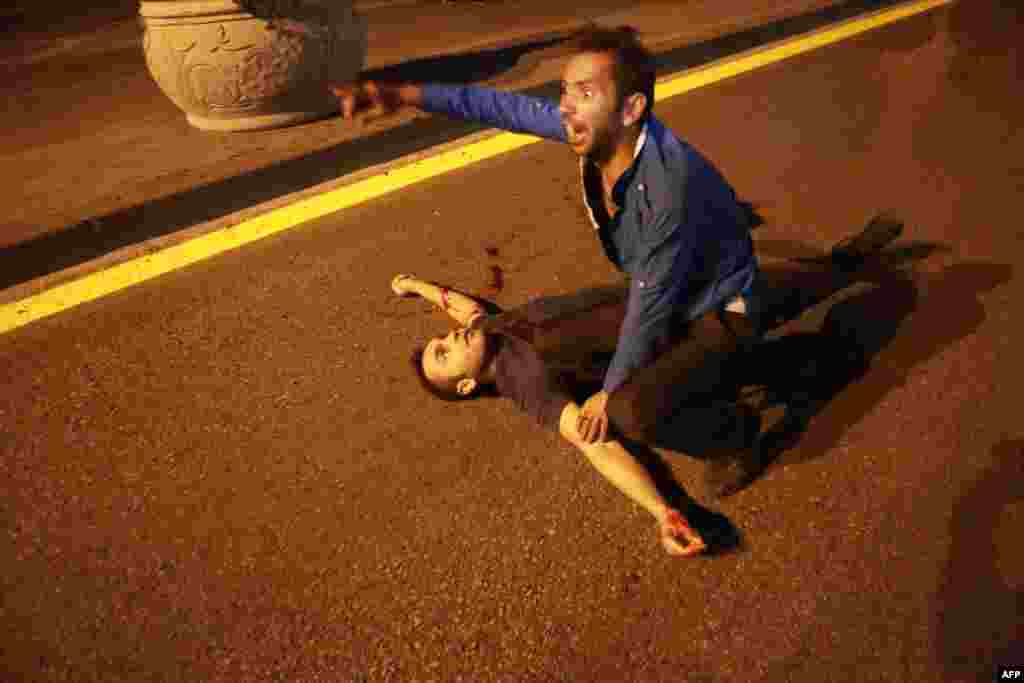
[455, 362]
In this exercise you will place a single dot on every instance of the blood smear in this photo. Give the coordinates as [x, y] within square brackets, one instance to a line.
[497, 278]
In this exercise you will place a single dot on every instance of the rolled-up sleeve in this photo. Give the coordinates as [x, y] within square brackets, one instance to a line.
[667, 261]
[505, 110]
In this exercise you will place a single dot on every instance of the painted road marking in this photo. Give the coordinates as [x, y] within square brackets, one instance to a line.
[124, 275]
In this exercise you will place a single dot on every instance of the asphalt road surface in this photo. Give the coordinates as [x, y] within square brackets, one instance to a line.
[230, 474]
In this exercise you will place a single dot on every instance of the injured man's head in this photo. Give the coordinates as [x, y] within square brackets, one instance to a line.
[455, 366]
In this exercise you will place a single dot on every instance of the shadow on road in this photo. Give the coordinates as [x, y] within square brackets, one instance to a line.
[980, 625]
[878, 359]
[516, 61]
[825, 381]
[720, 534]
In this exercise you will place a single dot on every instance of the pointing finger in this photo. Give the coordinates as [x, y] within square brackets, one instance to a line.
[344, 94]
[350, 95]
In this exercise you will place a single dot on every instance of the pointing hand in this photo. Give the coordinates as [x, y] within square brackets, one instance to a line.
[363, 96]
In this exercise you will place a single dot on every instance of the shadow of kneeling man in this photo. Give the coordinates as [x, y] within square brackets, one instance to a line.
[798, 373]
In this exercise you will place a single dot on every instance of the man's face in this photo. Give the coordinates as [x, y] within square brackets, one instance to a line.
[462, 353]
[590, 107]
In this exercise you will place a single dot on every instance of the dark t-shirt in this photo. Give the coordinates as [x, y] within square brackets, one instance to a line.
[556, 349]
[523, 376]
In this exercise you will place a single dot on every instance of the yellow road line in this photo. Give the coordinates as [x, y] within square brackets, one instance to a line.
[116, 278]
[776, 52]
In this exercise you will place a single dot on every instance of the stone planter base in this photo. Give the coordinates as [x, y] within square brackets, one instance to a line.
[229, 70]
[261, 121]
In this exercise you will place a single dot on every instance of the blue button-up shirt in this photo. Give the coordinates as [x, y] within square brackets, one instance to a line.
[679, 234]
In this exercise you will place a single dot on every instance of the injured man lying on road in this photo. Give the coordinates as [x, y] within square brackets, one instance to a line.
[543, 355]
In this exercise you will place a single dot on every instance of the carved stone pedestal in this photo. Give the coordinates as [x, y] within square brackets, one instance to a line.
[250, 64]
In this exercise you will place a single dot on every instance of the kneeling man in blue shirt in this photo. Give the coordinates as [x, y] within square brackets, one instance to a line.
[663, 213]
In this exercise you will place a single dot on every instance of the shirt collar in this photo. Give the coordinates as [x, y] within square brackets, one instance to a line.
[627, 177]
[640, 141]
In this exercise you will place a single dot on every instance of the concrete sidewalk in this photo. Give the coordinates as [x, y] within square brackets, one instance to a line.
[86, 32]
[92, 145]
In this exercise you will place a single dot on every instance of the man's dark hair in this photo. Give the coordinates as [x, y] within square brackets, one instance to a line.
[434, 390]
[634, 70]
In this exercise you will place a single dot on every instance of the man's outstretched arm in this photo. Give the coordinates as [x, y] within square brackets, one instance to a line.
[628, 475]
[464, 309]
[509, 111]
